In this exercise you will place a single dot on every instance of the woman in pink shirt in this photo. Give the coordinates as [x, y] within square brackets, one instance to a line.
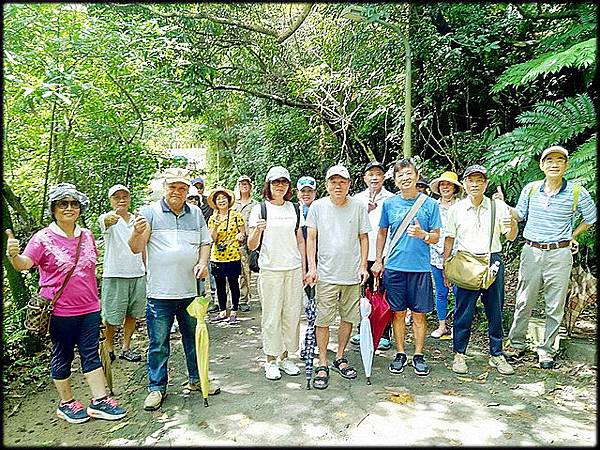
[76, 316]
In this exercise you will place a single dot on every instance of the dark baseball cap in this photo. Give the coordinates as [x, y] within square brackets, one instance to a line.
[372, 164]
[476, 168]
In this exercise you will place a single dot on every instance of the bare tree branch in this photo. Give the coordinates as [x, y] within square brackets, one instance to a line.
[299, 21]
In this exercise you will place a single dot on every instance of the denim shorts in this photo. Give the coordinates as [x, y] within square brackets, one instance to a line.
[66, 333]
[412, 290]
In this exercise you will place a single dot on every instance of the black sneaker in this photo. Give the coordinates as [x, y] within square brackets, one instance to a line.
[244, 307]
[420, 366]
[397, 365]
[131, 356]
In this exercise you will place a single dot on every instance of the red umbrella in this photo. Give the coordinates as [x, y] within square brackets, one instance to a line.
[381, 314]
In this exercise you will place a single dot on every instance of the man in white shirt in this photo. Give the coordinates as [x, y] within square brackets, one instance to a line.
[124, 274]
[341, 224]
[468, 229]
[372, 197]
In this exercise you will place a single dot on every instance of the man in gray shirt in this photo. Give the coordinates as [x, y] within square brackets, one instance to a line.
[341, 224]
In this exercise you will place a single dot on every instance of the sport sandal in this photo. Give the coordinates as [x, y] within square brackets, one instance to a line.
[347, 372]
[321, 382]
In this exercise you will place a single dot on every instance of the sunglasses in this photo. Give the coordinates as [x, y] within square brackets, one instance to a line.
[64, 204]
[280, 181]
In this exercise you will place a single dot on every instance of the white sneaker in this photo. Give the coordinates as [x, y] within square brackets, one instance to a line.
[289, 367]
[153, 400]
[499, 362]
[272, 371]
[459, 365]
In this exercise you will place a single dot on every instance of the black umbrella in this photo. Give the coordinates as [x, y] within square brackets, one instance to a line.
[310, 340]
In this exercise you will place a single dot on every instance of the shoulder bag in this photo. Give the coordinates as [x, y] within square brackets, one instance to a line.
[412, 212]
[470, 271]
[39, 309]
[254, 254]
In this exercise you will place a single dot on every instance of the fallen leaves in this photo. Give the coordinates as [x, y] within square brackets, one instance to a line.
[117, 427]
[401, 398]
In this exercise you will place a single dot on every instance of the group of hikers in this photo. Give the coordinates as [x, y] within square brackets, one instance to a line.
[158, 260]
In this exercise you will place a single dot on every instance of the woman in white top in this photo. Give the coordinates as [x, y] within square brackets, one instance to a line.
[448, 188]
[281, 271]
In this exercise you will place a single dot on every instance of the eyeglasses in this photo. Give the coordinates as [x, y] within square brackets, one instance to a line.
[64, 204]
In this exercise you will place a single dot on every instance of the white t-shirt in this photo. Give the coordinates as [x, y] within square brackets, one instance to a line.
[119, 260]
[279, 249]
[374, 217]
[338, 245]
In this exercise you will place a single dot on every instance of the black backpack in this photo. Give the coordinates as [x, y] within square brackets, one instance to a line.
[254, 254]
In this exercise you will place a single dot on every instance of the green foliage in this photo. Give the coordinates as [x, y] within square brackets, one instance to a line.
[513, 158]
[579, 56]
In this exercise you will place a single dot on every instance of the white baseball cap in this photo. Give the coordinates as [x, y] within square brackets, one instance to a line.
[306, 181]
[337, 170]
[116, 188]
[554, 149]
[277, 172]
[176, 175]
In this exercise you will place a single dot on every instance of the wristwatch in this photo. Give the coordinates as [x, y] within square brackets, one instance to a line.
[426, 238]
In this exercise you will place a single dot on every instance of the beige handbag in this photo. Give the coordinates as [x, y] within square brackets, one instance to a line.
[470, 271]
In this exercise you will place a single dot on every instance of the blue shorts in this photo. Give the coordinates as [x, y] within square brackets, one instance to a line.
[412, 290]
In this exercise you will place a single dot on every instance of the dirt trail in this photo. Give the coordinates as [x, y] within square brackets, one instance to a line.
[532, 407]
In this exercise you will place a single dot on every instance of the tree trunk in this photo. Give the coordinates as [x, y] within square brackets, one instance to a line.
[16, 282]
[47, 174]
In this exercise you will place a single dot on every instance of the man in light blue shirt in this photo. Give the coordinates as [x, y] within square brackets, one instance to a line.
[548, 207]
[407, 273]
[177, 244]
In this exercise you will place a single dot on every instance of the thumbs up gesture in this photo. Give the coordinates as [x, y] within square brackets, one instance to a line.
[498, 195]
[415, 230]
[12, 244]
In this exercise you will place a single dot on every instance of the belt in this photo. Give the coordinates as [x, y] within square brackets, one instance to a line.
[549, 245]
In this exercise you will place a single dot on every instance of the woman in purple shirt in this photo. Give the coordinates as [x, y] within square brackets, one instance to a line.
[76, 316]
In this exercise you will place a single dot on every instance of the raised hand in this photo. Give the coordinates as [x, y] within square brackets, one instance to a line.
[12, 244]
[140, 224]
[498, 195]
[414, 230]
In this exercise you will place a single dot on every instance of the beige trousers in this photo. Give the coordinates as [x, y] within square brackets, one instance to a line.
[245, 276]
[281, 301]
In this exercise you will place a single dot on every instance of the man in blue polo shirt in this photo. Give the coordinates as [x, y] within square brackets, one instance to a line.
[177, 244]
[548, 207]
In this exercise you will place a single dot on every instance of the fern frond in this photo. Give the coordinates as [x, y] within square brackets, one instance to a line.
[580, 55]
[582, 165]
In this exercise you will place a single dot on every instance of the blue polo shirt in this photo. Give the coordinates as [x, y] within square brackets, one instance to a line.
[550, 217]
[173, 250]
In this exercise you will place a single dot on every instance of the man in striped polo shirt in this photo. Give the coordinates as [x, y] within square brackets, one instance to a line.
[548, 207]
[177, 243]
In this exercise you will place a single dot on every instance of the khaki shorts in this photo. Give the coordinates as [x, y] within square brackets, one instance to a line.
[123, 297]
[331, 298]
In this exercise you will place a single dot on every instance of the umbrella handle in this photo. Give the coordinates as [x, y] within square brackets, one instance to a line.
[308, 384]
[368, 380]
[205, 402]
[362, 289]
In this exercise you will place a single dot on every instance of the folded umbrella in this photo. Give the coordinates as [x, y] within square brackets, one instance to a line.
[198, 309]
[105, 360]
[381, 314]
[308, 352]
[367, 349]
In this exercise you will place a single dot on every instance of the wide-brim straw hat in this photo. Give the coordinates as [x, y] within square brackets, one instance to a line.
[448, 176]
[220, 190]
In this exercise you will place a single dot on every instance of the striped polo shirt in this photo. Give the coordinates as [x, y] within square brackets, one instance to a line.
[550, 217]
[173, 249]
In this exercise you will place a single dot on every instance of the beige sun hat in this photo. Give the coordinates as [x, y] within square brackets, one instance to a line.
[448, 176]
[220, 190]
